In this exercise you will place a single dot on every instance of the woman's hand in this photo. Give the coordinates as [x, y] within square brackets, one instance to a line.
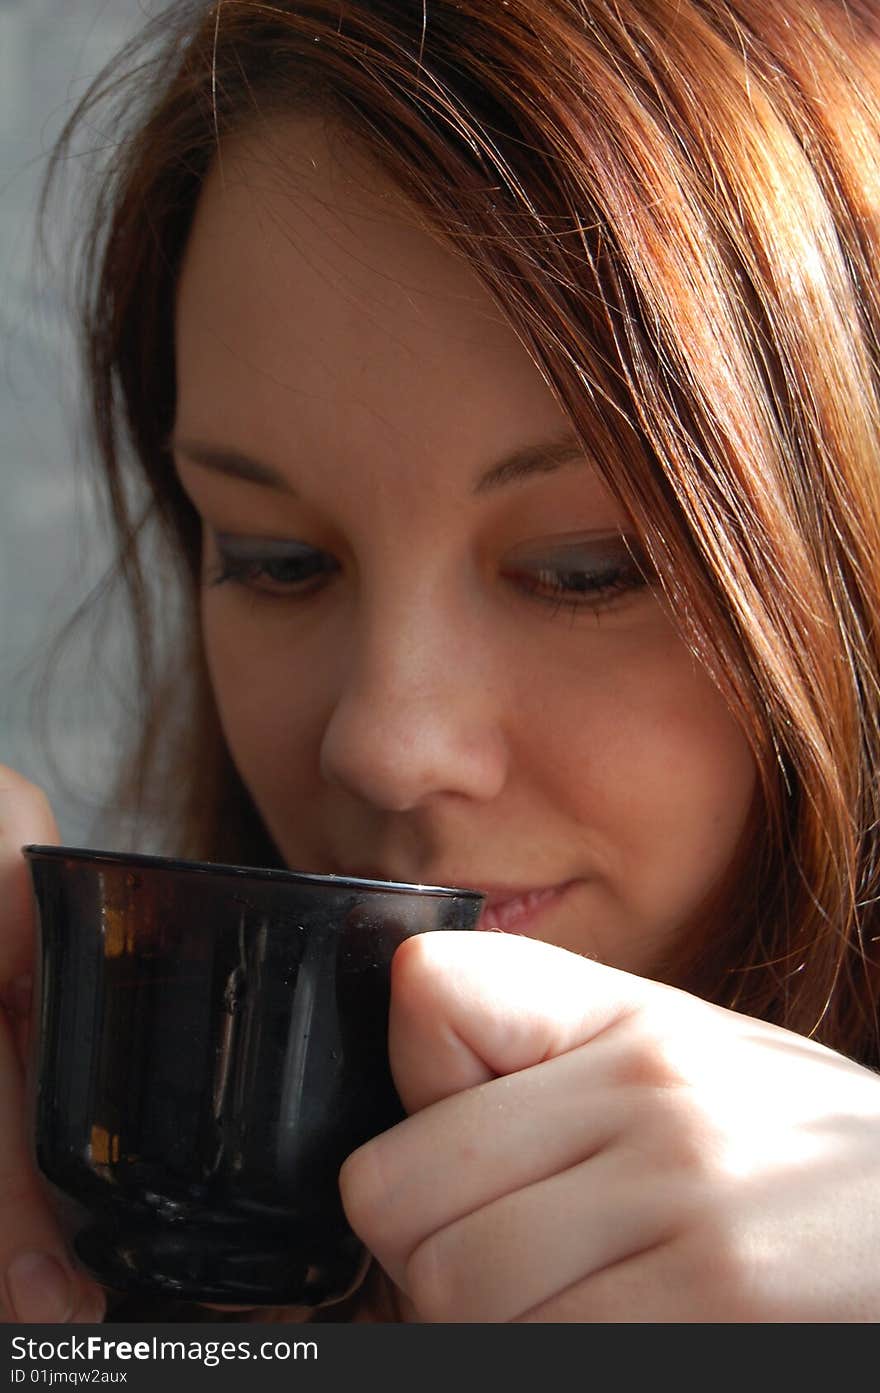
[37, 1281]
[585, 1145]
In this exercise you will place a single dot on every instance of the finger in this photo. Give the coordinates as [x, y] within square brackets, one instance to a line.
[532, 1245]
[659, 1286]
[37, 1282]
[16, 1000]
[492, 1037]
[474, 1147]
[467, 1007]
[25, 816]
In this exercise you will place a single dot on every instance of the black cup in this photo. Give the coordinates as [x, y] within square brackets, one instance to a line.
[210, 1045]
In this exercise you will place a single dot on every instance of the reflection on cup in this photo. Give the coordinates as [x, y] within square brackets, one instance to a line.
[211, 1045]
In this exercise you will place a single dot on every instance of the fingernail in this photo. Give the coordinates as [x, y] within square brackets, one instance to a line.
[39, 1289]
[94, 1310]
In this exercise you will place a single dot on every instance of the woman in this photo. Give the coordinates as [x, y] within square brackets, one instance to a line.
[504, 377]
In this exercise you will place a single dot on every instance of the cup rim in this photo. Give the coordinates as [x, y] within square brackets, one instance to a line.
[147, 861]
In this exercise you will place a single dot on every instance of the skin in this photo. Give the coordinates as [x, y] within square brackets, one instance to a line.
[583, 1143]
[458, 725]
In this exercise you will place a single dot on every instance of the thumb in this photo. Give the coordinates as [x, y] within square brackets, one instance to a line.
[469, 1007]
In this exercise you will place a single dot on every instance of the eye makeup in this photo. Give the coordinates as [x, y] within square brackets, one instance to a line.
[579, 571]
[583, 571]
[270, 565]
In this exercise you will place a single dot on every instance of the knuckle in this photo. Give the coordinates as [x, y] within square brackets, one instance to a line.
[685, 1138]
[652, 1058]
[413, 974]
[411, 961]
[364, 1192]
[674, 1121]
[431, 1283]
[722, 1269]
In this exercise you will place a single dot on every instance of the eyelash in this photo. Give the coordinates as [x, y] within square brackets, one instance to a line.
[560, 587]
[247, 571]
[578, 590]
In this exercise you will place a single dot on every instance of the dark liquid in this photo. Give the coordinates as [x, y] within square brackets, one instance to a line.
[202, 1077]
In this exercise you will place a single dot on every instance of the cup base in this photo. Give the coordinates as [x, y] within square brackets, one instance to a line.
[238, 1267]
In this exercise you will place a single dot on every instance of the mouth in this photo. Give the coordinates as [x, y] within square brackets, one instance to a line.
[507, 908]
[518, 911]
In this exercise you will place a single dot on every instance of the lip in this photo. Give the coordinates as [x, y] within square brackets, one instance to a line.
[516, 910]
[509, 908]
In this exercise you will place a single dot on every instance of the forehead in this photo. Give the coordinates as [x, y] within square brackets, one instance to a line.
[310, 282]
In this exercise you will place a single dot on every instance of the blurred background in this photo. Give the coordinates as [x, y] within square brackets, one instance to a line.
[52, 548]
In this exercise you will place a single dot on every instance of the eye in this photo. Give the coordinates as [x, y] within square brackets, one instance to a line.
[270, 565]
[584, 572]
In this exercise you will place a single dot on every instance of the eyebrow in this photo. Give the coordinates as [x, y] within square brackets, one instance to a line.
[543, 457]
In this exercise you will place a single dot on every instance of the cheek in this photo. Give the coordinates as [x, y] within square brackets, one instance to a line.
[659, 776]
[698, 778]
[269, 702]
[698, 804]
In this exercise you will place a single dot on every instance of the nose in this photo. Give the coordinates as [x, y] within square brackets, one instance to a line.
[416, 715]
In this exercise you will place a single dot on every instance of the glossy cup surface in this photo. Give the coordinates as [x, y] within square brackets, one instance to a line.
[210, 1045]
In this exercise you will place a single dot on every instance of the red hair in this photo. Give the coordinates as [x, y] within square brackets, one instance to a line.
[676, 204]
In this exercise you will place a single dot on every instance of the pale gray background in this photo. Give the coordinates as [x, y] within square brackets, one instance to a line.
[50, 546]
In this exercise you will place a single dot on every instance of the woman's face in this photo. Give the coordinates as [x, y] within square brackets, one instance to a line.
[434, 657]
